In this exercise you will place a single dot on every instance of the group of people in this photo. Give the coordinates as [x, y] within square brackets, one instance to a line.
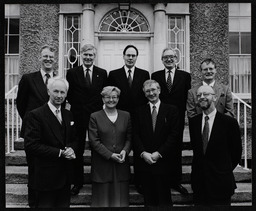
[126, 110]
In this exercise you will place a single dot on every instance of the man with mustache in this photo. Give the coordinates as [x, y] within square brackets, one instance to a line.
[224, 101]
[174, 84]
[86, 83]
[217, 148]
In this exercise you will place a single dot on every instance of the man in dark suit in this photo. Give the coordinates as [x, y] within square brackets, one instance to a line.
[86, 83]
[32, 93]
[155, 141]
[174, 91]
[49, 139]
[224, 101]
[129, 79]
[217, 148]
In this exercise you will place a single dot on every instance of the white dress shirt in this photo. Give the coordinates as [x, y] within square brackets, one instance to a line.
[211, 84]
[44, 76]
[132, 71]
[167, 73]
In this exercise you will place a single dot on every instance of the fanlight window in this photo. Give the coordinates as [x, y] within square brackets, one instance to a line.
[124, 21]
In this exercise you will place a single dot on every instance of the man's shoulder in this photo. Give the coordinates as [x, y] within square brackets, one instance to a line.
[116, 71]
[158, 72]
[71, 70]
[99, 69]
[31, 75]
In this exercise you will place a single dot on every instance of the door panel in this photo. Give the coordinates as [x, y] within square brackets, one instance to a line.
[110, 53]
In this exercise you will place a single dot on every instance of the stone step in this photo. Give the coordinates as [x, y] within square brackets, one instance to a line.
[17, 194]
[19, 174]
[18, 158]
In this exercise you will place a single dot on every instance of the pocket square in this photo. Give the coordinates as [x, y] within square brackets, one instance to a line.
[71, 123]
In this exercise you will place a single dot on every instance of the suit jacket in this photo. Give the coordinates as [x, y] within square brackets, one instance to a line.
[130, 98]
[32, 93]
[106, 138]
[213, 171]
[44, 137]
[84, 100]
[164, 139]
[224, 102]
[179, 91]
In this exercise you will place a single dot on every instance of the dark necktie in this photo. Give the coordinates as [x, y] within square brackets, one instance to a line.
[58, 116]
[169, 81]
[154, 116]
[87, 78]
[205, 135]
[47, 75]
[129, 78]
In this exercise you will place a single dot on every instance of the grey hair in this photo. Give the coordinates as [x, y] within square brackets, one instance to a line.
[108, 89]
[169, 49]
[52, 80]
[88, 47]
[150, 82]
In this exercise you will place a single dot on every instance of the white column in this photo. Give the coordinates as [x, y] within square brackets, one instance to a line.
[160, 31]
[88, 24]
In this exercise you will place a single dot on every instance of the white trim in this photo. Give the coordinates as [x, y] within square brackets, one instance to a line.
[187, 43]
[61, 46]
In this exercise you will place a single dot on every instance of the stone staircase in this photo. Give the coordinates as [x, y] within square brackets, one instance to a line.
[16, 181]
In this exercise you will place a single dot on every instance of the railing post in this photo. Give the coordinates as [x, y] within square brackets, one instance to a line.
[245, 138]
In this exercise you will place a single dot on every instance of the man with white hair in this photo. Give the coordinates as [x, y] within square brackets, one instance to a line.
[51, 142]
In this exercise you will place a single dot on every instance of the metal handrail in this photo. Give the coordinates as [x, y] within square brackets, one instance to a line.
[13, 121]
[245, 106]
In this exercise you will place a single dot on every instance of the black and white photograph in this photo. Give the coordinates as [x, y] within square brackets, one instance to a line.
[128, 104]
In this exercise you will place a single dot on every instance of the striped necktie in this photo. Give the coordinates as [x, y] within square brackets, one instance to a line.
[58, 115]
[169, 81]
[205, 135]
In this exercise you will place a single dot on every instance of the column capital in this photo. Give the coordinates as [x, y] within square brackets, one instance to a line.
[159, 7]
[88, 7]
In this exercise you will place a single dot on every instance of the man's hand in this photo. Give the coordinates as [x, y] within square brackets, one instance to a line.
[122, 155]
[148, 158]
[68, 153]
[116, 157]
[155, 156]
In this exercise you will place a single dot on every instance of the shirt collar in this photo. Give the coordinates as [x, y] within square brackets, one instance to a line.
[43, 73]
[90, 68]
[156, 105]
[210, 115]
[211, 84]
[172, 70]
[126, 69]
[53, 108]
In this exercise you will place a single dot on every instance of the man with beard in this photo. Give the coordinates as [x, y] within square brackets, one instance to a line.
[224, 101]
[174, 84]
[86, 83]
[217, 148]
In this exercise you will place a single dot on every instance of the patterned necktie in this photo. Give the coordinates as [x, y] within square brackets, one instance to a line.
[154, 116]
[87, 78]
[58, 116]
[129, 78]
[205, 135]
[47, 75]
[169, 81]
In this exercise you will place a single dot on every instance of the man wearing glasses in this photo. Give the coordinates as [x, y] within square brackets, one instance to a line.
[217, 148]
[223, 103]
[174, 85]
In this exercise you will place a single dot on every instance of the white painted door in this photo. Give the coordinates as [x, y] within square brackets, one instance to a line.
[110, 54]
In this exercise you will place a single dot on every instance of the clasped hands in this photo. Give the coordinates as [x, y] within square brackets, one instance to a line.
[120, 158]
[151, 158]
[68, 153]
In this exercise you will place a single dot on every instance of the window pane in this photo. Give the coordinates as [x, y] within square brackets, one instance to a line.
[234, 43]
[14, 26]
[245, 43]
[6, 26]
[5, 44]
[14, 44]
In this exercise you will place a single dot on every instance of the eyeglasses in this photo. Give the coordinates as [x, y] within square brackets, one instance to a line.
[150, 90]
[204, 94]
[165, 58]
[109, 97]
[131, 55]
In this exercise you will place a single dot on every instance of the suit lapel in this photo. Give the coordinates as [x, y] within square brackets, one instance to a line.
[80, 75]
[66, 123]
[124, 79]
[135, 80]
[40, 86]
[160, 118]
[53, 123]
[148, 118]
[217, 90]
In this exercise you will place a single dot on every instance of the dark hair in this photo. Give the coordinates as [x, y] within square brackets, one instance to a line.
[207, 61]
[131, 46]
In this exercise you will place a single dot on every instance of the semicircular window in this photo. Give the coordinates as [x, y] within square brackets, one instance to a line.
[124, 21]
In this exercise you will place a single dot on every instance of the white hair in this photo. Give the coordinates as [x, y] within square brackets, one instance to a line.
[52, 80]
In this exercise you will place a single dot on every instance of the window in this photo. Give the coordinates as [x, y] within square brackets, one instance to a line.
[240, 47]
[11, 45]
[177, 39]
[72, 41]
